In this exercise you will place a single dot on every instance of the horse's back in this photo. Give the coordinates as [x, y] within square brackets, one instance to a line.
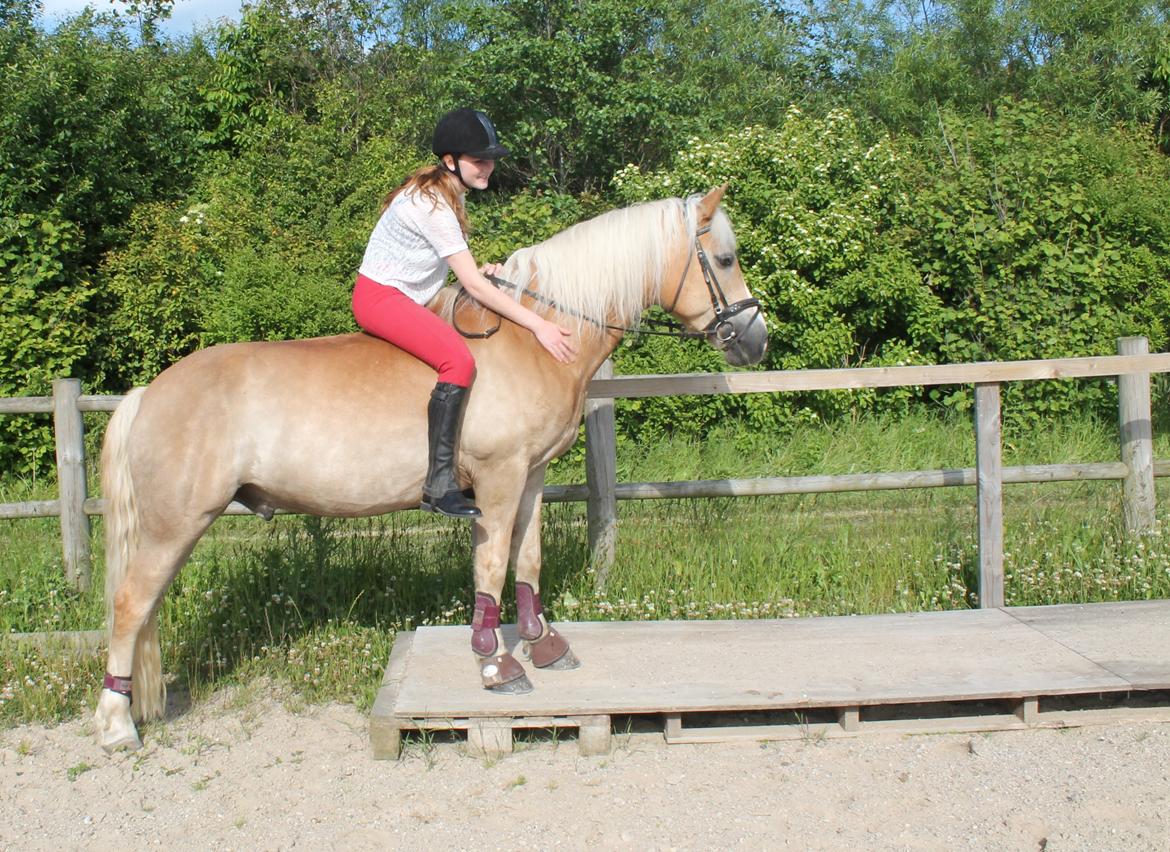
[298, 417]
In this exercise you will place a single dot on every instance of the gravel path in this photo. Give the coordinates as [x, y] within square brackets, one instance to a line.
[245, 773]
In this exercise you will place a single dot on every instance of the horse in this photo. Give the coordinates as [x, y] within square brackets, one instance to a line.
[336, 426]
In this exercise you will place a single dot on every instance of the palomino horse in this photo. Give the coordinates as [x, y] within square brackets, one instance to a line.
[337, 426]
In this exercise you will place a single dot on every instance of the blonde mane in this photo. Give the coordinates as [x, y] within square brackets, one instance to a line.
[605, 268]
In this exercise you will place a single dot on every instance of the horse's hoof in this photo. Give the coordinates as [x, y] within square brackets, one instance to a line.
[124, 743]
[520, 686]
[550, 651]
[567, 662]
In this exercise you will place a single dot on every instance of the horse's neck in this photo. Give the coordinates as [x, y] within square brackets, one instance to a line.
[595, 353]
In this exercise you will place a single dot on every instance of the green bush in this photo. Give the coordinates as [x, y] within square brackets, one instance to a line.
[1042, 238]
[1019, 236]
[90, 126]
[812, 203]
[265, 247]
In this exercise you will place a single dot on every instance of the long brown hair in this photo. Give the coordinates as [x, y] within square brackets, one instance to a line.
[435, 183]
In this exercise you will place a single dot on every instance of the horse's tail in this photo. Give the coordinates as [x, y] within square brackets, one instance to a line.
[122, 538]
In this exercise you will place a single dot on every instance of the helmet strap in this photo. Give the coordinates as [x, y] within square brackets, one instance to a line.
[456, 171]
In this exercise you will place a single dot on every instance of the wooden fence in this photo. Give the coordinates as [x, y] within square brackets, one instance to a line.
[1136, 467]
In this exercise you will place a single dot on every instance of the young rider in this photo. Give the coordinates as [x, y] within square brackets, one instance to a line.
[421, 233]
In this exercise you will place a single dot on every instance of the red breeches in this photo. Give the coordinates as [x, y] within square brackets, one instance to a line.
[388, 313]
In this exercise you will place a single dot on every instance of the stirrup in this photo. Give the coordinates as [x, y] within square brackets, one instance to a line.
[452, 504]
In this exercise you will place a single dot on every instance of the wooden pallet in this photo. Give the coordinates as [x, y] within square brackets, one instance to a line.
[708, 681]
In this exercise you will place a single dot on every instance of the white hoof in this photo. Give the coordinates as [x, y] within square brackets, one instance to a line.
[115, 728]
[130, 742]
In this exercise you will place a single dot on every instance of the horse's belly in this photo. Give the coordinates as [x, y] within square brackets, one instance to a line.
[343, 475]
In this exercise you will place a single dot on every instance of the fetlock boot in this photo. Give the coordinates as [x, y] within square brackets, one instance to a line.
[441, 490]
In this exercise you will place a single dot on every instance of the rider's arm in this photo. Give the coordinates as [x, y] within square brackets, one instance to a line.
[552, 337]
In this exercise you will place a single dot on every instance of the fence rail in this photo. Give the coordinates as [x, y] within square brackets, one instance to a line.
[1136, 468]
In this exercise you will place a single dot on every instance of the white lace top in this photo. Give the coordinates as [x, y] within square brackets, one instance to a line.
[410, 246]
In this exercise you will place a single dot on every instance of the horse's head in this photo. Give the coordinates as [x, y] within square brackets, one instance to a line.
[710, 296]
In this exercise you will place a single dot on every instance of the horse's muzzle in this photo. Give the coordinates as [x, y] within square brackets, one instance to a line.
[740, 333]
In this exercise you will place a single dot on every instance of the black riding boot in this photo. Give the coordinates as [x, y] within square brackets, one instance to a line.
[441, 490]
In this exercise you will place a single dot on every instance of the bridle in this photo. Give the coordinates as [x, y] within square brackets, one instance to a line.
[721, 327]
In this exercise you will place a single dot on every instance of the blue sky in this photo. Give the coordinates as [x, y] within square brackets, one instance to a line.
[185, 17]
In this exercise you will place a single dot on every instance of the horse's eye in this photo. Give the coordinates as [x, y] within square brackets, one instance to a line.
[725, 260]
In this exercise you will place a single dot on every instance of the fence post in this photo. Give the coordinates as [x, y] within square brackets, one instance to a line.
[601, 479]
[69, 432]
[1137, 440]
[989, 476]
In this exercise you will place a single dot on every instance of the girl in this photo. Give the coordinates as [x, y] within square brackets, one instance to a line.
[421, 234]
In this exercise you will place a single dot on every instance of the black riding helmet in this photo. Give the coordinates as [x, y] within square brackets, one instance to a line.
[467, 131]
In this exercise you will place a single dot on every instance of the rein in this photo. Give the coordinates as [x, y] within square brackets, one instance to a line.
[720, 327]
[672, 328]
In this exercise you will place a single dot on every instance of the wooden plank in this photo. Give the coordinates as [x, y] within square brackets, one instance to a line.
[903, 673]
[756, 733]
[601, 478]
[1028, 710]
[755, 487]
[1111, 716]
[1129, 639]
[649, 667]
[1137, 441]
[940, 725]
[385, 729]
[672, 726]
[989, 466]
[594, 734]
[99, 402]
[628, 387]
[69, 431]
[81, 641]
[517, 723]
[26, 405]
[832, 483]
[31, 509]
[489, 737]
[774, 381]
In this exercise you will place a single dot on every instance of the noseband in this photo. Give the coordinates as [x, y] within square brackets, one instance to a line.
[720, 328]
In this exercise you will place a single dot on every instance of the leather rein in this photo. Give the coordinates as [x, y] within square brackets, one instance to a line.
[720, 327]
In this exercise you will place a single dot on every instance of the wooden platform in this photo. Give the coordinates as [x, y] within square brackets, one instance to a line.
[703, 681]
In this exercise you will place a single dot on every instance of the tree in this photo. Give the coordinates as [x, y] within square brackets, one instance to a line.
[89, 126]
[580, 88]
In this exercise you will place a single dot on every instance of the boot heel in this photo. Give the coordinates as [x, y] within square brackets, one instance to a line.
[452, 504]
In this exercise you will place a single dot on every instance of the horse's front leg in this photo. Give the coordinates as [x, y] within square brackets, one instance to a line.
[547, 648]
[491, 536]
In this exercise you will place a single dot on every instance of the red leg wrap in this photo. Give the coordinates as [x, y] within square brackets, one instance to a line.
[545, 645]
[528, 612]
[120, 685]
[484, 624]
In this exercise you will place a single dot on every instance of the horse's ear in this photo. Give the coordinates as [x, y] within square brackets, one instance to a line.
[710, 203]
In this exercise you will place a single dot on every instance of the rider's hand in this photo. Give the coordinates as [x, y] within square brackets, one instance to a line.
[558, 341]
[492, 269]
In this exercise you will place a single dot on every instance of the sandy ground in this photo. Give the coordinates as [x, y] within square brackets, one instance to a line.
[244, 772]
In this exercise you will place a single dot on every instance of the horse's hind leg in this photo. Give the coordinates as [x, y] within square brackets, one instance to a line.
[547, 648]
[134, 657]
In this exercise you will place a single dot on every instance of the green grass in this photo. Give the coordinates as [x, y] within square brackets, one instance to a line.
[311, 606]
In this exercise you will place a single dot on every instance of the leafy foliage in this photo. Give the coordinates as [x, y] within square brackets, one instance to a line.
[954, 181]
[89, 126]
[812, 204]
[583, 88]
[1014, 237]
[1042, 239]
